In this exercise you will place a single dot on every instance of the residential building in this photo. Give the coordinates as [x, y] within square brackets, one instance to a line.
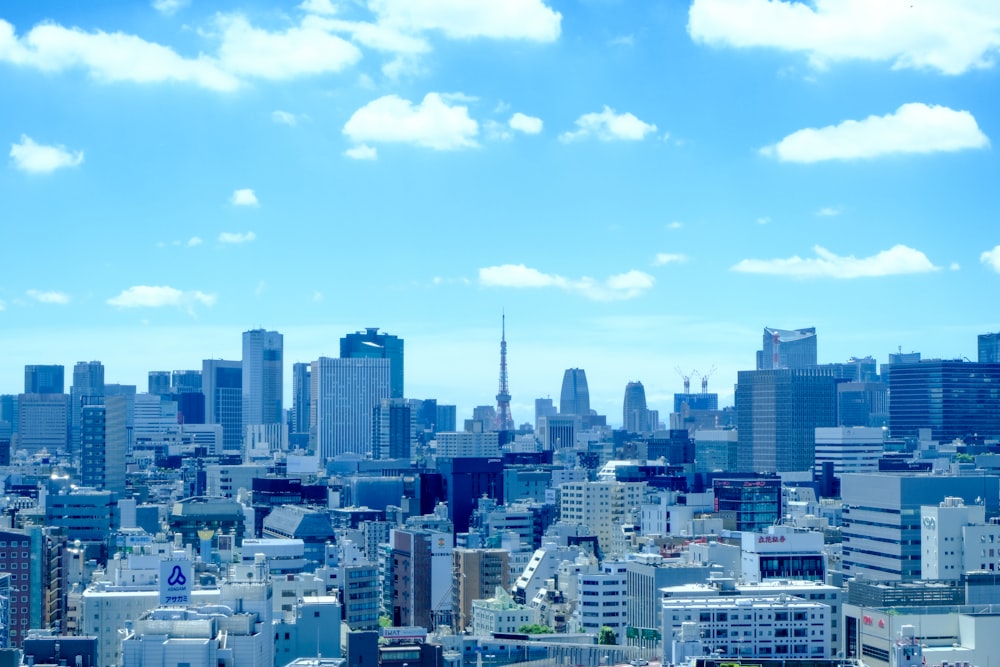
[500, 614]
[601, 506]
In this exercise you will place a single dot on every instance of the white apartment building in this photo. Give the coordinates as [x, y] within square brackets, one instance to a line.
[500, 614]
[602, 600]
[601, 506]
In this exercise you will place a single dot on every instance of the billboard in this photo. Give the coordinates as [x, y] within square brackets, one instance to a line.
[176, 582]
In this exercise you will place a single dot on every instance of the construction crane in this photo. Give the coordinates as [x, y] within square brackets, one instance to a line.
[704, 379]
[686, 377]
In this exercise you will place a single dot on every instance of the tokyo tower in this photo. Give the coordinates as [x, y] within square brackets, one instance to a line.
[504, 421]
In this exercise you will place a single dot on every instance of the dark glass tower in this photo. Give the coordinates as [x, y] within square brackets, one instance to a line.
[777, 413]
[48, 379]
[953, 398]
[989, 348]
[374, 345]
[574, 399]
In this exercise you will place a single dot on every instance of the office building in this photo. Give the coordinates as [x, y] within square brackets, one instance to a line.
[849, 449]
[44, 379]
[715, 450]
[370, 344]
[881, 521]
[84, 514]
[953, 398]
[787, 348]
[603, 507]
[42, 420]
[263, 365]
[862, 404]
[159, 383]
[393, 424]
[635, 414]
[777, 412]
[748, 504]
[603, 600]
[222, 384]
[185, 382]
[574, 399]
[87, 389]
[421, 578]
[782, 552]
[468, 443]
[300, 399]
[957, 540]
[205, 637]
[466, 480]
[989, 348]
[344, 395]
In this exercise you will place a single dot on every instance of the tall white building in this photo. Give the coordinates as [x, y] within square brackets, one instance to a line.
[468, 443]
[602, 600]
[263, 363]
[344, 395]
[601, 506]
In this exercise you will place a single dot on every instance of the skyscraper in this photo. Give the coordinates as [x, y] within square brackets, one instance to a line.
[635, 414]
[87, 389]
[222, 384]
[953, 398]
[777, 412]
[344, 394]
[263, 361]
[44, 379]
[300, 398]
[370, 344]
[393, 426]
[159, 382]
[787, 348]
[185, 382]
[574, 399]
[989, 348]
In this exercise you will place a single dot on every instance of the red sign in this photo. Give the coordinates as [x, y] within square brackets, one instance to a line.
[867, 620]
[770, 539]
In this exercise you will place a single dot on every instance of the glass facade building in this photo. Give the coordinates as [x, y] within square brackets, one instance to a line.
[370, 344]
[788, 348]
[748, 504]
[952, 398]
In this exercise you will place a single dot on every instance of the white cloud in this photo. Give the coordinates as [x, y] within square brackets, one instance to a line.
[317, 296]
[303, 50]
[36, 158]
[829, 211]
[663, 258]
[377, 36]
[318, 7]
[623, 40]
[496, 131]
[898, 260]
[109, 57]
[50, 296]
[244, 197]
[675, 225]
[284, 118]
[236, 237]
[913, 128]
[524, 123]
[431, 124]
[954, 266]
[616, 288]
[362, 152]
[150, 296]
[608, 125]
[764, 220]
[991, 258]
[194, 241]
[3, 305]
[463, 19]
[950, 36]
[169, 7]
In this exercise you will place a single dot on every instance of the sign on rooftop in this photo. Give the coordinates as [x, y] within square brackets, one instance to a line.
[176, 582]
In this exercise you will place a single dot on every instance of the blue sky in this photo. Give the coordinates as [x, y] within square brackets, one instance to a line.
[640, 186]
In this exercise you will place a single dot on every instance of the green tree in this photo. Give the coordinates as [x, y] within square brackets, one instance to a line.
[535, 629]
[607, 636]
[384, 621]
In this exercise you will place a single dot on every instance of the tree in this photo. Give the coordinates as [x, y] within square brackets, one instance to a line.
[535, 629]
[607, 636]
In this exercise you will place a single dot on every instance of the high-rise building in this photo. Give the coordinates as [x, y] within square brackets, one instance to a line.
[104, 444]
[777, 412]
[44, 379]
[862, 404]
[344, 395]
[544, 407]
[263, 363]
[953, 398]
[635, 414]
[185, 382]
[87, 389]
[370, 344]
[222, 384]
[787, 348]
[393, 426]
[989, 348]
[849, 449]
[42, 420]
[300, 398]
[574, 399]
[159, 382]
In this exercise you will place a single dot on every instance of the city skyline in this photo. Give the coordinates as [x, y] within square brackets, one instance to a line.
[638, 186]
